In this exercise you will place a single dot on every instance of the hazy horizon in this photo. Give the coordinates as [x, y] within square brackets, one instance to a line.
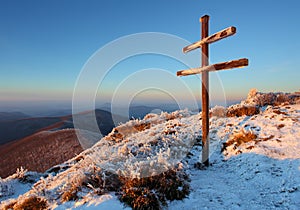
[34, 108]
[45, 48]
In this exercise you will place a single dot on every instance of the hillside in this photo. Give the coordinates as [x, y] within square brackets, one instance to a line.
[20, 128]
[16, 129]
[7, 116]
[254, 155]
[42, 142]
[39, 151]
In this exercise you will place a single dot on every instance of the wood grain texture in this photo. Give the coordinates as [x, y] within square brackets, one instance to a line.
[210, 39]
[205, 90]
[215, 67]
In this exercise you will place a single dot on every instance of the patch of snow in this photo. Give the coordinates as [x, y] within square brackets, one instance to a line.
[106, 201]
[252, 173]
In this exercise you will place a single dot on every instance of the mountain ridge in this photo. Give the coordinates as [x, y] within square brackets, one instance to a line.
[254, 161]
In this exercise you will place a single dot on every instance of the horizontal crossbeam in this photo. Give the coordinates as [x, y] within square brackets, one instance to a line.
[210, 39]
[215, 67]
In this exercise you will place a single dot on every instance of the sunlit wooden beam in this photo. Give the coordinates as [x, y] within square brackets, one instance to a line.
[210, 39]
[215, 67]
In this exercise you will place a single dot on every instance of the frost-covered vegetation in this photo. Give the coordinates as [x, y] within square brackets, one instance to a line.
[151, 163]
[256, 100]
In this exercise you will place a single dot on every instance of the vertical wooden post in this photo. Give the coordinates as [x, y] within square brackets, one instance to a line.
[205, 90]
[204, 70]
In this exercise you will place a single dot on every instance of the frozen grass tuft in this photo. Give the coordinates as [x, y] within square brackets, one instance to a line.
[31, 203]
[218, 111]
[238, 111]
[273, 99]
[154, 192]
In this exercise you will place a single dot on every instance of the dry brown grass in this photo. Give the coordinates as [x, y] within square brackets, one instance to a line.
[153, 192]
[103, 182]
[70, 194]
[243, 110]
[144, 193]
[277, 111]
[265, 138]
[39, 152]
[31, 203]
[142, 126]
[10, 206]
[280, 126]
[273, 99]
[239, 138]
[115, 136]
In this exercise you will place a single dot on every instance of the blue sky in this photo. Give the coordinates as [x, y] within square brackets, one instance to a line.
[45, 44]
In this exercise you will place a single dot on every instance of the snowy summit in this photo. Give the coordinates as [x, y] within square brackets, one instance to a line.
[153, 163]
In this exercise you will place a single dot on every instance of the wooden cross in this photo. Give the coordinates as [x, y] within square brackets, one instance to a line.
[203, 43]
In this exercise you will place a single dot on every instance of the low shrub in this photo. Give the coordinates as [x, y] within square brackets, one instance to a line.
[242, 110]
[239, 138]
[70, 189]
[153, 192]
[10, 205]
[273, 99]
[218, 111]
[32, 203]
[103, 182]
[70, 194]
[142, 126]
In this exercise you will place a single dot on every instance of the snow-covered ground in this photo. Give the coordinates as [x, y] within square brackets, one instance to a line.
[255, 159]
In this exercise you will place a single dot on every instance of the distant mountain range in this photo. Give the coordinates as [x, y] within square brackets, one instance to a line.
[17, 125]
[254, 156]
[7, 116]
[38, 143]
[14, 126]
[139, 111]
